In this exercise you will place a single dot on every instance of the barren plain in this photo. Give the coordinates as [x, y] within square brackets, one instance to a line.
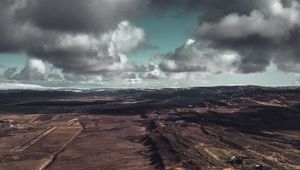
[198, 128]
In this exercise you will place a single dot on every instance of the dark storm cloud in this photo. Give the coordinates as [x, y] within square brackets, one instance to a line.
[8, 40]
[164, 5]
[77, 15]
[255, 33]
[216, 9]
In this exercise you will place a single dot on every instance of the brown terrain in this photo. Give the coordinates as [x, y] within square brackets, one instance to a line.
[250, 131]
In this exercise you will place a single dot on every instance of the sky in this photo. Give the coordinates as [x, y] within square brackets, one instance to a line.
[149, 43]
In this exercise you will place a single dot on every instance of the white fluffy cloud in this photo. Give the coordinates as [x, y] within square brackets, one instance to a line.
[94, 54]
[266, 32]
[196, 56]
[34, 69]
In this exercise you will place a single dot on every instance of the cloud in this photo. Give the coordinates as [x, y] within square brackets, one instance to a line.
[92, 39]
[11, 86]
[86, 37]
[153, 72]
[195, 56]
[163, 6]
[214, 10]
[266, 32]
[83, 53]
[241, 36]
[9, 73]
[34, 69]
[297, 79]
[78, 16]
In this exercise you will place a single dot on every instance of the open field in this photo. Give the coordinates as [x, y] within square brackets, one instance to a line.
[213, 128]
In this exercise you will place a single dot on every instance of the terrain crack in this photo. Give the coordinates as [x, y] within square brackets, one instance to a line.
[54, 156]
